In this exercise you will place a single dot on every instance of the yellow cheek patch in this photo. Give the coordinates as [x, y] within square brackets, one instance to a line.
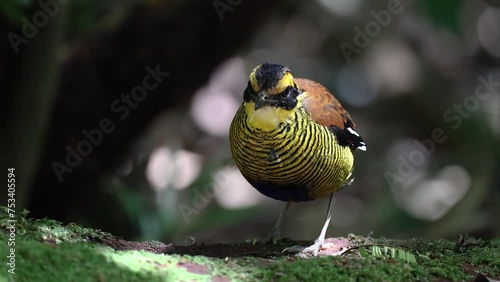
[266, 118]
[253, 81]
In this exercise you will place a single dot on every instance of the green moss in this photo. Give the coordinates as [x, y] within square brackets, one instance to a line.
[47, 229]
[37, 261]
[452, 262]
[46, 250]
[80, 261]
[437, 260]
[342, 269]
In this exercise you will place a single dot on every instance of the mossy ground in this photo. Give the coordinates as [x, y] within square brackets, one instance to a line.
[45, 250]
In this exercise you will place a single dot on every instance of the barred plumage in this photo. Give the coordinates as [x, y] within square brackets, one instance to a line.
[309, 159]
[292, 140]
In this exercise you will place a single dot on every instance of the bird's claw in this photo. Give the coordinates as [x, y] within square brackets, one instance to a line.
[312, 250]
[305, 252]
[293, 249]
[252, 241]
[271, 238]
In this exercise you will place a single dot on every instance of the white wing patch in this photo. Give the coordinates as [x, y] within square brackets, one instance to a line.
[352, 131]
[362, 145]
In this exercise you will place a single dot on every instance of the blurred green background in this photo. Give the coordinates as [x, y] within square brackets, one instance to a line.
[420, 78]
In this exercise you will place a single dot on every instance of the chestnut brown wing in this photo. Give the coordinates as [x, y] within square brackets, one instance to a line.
[326, 110]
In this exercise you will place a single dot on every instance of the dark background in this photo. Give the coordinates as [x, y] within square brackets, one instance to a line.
[411, 74]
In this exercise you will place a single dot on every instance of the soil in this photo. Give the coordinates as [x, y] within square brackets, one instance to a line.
[247, 249]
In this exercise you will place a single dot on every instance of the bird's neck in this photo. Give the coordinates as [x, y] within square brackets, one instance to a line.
[267, 118]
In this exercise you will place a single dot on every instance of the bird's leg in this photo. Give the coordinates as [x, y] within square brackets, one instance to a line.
[314, 249]
[321, 239]
[274, 236]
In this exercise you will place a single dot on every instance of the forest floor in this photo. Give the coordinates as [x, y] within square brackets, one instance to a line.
[46, 250]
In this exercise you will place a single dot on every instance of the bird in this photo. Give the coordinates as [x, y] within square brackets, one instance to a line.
[292, 140]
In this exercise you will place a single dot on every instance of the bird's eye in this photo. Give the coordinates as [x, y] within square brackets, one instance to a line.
[287, 99]
[286, 93]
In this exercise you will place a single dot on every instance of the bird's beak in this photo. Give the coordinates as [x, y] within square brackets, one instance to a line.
[261, 100]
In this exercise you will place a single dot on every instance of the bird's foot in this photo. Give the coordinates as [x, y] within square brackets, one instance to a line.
[312, 250]
[305, 252]
[273, 237]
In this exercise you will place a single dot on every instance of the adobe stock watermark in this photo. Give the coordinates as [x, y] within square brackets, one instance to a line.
[205, 195]
[363, 37]
[223, 6]
[29, 29]
[11, 214]
[122, 107]
[454, 117]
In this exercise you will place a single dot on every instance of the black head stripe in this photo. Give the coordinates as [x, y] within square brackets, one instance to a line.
[268, 75]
